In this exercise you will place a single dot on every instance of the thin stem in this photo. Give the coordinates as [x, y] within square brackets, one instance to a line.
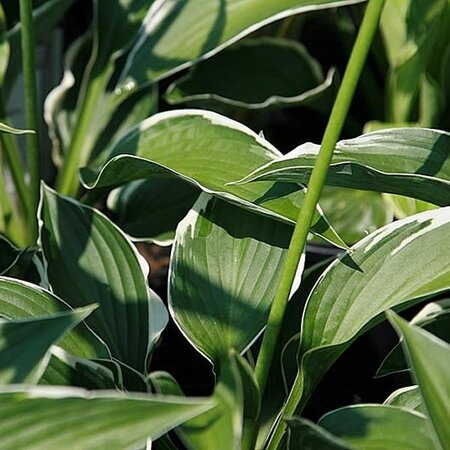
[31, 108]
[335, 124]
[12, 155]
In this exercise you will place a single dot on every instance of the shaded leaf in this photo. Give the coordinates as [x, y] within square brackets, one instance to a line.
[223, 275]
[20, 300]
[151, 209]
[9, 254]
[354, 214]
[430, 359]
[378, 427]
[306, 435]
[25, 344]
[406, 161]
[216, 80]
[90, 419]
[178, 143]
[88, 259]
[435, 318]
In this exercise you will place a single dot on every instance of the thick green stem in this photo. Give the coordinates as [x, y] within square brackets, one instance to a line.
[67, 182]
[31, 109]
[335, 124]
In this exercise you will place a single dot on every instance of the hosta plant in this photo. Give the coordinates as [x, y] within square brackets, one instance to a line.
[80, 326]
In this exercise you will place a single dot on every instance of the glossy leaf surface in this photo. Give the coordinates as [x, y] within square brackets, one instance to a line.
[224, 274]
[408, 161]
[357, 288]
[92, 419]
[208, 151]
[175, 34]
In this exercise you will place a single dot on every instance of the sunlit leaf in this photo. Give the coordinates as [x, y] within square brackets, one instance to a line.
[91, 419]
[406, 161]
[408, 397]
[208, 151]
[359, 286]
[177, 33]
[224, 274]
[25, 344]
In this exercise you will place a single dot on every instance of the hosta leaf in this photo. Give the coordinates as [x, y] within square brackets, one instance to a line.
[223, 275]
[354, 214]
[380, 272]
[68, 417]
[225, 420]
[7, 129]
[175, 34]
[304, 434]
[63, 369]
[90, 259]
[406, 206]
[408, 397]
[9, 254]
[430, 360]
[409, 29]
[151, 209]
[25, 344]
[435, 318]
[406, 161]
[90, 68]
[21, 300]
[179, 143]
[217, 80]
[379, 427]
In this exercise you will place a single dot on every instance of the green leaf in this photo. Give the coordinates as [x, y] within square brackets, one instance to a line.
[380, 272]
[178, 143]
[25, 344]
[225, 420]
[7, 129]
[354, 214]
[20, 300]
[406, 206]
[408, 397]
[63, 369]
[379, 427]
[9, 254]
[304, 434]
[223, 275]
[151, 209]
[90, 259]
[176, 34]
[68, 417]
[430, 359]
[435, 318]
[410, 29]
[217, 81]
[406, 161]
